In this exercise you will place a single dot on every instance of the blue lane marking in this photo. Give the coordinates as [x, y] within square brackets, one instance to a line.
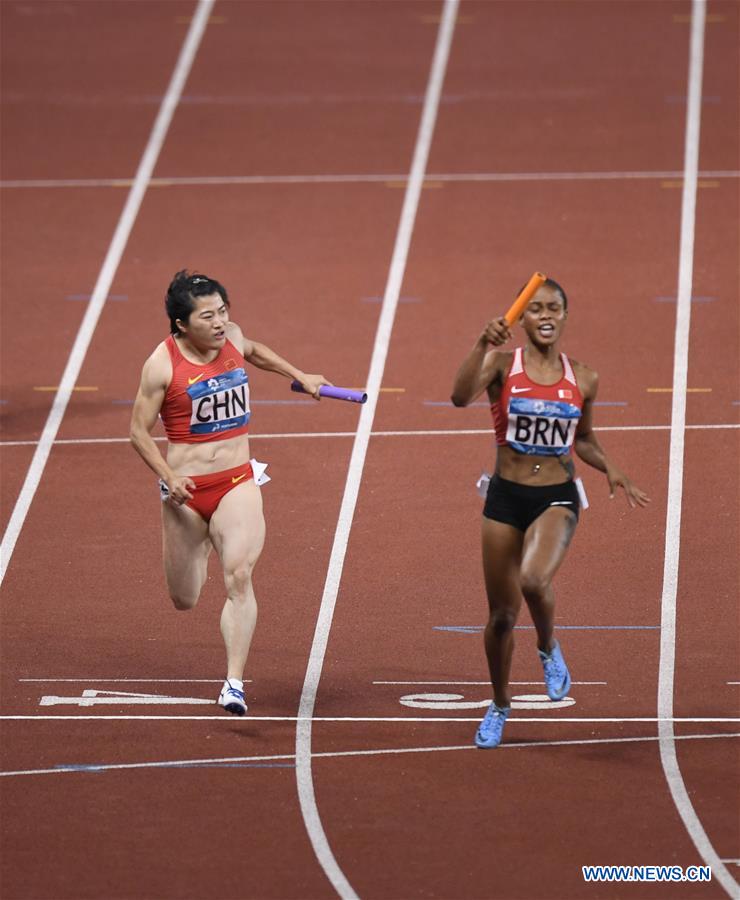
[475, 629]
[680, 98]
[281, 402]
[610, 403]
[73, 767]
[123, 402]
[230, 765]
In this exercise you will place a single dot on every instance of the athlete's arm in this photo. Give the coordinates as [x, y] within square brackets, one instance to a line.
[155, 377]
[590, 450]
[483, 365]
[263, 357]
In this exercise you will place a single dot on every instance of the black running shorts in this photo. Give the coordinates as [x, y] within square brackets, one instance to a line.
[520, 504]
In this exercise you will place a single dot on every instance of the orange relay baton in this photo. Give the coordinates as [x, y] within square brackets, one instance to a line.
[518, 306]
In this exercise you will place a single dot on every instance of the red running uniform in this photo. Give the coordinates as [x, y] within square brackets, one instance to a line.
[537, 419]
[206, 402]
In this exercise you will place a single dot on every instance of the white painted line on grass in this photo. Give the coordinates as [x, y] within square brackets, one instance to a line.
[304, 775]
[103, 284]
[666, 671]
[335, 754]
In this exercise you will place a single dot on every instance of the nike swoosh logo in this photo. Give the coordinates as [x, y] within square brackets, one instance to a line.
[238, 478]
[193, 380]
[518, 390]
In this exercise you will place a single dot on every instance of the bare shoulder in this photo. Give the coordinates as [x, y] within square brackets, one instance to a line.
[237, 337]
[233, 331]
[157, 370]
[587, 378]
[499, 361]
[235, 334]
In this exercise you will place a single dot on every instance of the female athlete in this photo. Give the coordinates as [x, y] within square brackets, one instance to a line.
[196, 381]
[542, 408]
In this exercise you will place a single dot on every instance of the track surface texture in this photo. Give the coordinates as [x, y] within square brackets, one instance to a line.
[559, 141]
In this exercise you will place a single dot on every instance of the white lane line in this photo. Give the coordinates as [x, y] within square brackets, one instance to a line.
[230, 720]
[103, 284]
[126, 680]
[482, 683]
[666, 671]
[451, 177]
[220, 681]
[335, 754]
[431, 432]
[304, 775]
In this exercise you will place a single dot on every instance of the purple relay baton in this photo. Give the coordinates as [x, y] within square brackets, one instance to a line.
[335, 393]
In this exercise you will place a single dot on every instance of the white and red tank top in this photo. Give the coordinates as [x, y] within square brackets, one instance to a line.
[537, 419]
[206, 402]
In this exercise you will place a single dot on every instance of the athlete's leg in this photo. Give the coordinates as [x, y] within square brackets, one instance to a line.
[237, 530]
[502, 550]
[545, 545]
[185, 545]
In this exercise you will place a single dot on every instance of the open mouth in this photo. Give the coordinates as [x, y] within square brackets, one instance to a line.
[546, 330]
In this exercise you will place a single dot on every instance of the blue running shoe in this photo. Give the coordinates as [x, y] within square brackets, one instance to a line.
[557, 676]
[232, 699]
[491, 728]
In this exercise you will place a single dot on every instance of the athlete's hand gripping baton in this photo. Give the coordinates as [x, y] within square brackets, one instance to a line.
[333, 392]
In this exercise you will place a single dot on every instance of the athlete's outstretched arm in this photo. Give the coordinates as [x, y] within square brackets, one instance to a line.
[263, 357]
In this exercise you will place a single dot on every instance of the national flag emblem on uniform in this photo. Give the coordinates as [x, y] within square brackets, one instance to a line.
[565, 395]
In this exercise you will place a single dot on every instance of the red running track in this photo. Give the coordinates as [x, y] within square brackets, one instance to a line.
[525, 126]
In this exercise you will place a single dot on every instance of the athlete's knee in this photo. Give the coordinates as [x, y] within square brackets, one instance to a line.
[534, 585]
[502, 621]
[238, 580]
[183, 600]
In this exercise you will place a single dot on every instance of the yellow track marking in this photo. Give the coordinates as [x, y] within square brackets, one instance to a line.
[76, 388]
[670, 390]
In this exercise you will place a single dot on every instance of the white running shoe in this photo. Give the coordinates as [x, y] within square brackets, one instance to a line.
[232, 699]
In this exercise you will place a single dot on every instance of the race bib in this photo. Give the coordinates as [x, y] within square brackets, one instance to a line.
[541, 427]
[220, 403]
